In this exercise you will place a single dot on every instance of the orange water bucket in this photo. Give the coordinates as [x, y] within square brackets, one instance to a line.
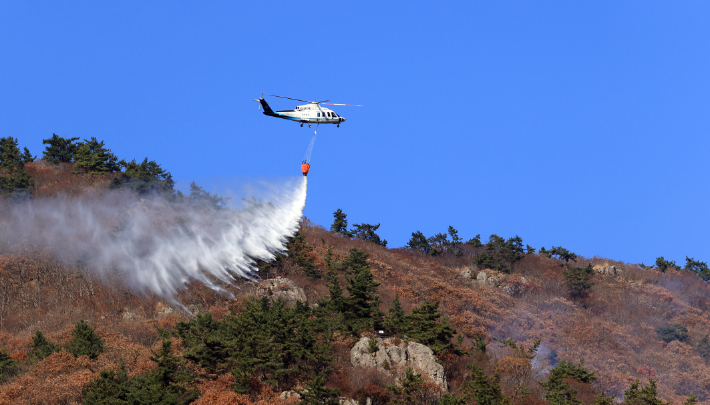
[305, 168]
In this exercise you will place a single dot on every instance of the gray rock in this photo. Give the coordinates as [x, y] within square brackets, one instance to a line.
[280, 287]
[397, 357]
[487, 279]
[608, 270]
[468, 273]
[290, 394]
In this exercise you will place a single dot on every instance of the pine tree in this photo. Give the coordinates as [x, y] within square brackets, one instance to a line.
[671, 333]
[367, 232]
[395, 321]
[483, 390]
[340, 224]
[426, 326]
[336, 301]
[8, 366]
[92, 157]
[14, 180]
[698, 267]
[419, 242]
[475, 241]
[500, 254]
[363, 302]
[557, 391]
[144, 178]
[203, 199]
[85, 341]
[662, 264]
[316, 393]
[205, 342]
[59, 149]
[703, 348]
[411, 383]
[636, 395]
[41, 347]
[577, 281]
[302, 255]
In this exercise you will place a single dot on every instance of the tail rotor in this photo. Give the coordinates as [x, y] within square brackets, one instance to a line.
[259, 101]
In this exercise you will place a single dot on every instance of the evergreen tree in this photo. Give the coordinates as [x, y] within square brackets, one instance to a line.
[85, 341]
[59, 149]
[426, 326]
[501, 254]
[636, 395]
[336, 302]
[14, 180]
[529, 250]
[367, 232]
[301, 254]
[41, 347]
[562, 254]
[455, 239]
[451, 399]
[698, 267]
[396, 319]
[144, 178]
[577, 280]
[692, 400]
[167, 384]
[475, 241]
[483, 390]
[8, 366]
[363, 302]
[340, 224]
[92, 157]
[671, 333]
[203, 199]
[205, 343]
[662, 264]
[411, 384]
[316, 393]
[419, 242]
[557, 391]
[703, 348]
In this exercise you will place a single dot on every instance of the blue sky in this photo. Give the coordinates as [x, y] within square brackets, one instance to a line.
[581, 124]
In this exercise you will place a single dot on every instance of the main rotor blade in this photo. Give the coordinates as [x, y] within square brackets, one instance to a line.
[296, 99]
[350, 105]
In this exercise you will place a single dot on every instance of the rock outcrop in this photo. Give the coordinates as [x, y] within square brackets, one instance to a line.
[280, 287]
[488, 278]
[608, 270]
[397, 357]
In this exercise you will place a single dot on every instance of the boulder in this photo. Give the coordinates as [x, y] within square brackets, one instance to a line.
[397, 357]
[488, 278]
[280, 287]
[468, 273]
[608, 270]
[290, 394]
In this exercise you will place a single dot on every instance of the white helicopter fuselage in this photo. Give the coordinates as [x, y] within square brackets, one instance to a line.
[308, 113]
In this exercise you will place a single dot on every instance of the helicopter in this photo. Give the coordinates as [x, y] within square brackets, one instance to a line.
[311, 113]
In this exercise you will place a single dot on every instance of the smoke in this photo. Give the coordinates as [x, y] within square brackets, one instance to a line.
[154, 245]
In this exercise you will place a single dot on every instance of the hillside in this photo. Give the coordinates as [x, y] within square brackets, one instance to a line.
[623, 326]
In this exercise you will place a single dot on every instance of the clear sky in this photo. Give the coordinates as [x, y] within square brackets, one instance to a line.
[581, 124]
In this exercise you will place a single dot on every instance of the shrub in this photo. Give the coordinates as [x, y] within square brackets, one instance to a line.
[577, 280]
[673, 332]
[85, 341]
[40, 347]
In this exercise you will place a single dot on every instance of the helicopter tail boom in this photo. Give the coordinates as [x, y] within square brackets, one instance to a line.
[265, 106]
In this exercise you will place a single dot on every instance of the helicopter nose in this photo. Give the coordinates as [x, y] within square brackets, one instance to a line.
[342, 119]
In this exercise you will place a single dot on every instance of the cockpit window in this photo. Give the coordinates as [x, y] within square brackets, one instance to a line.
[335, 115]
[318, 114]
